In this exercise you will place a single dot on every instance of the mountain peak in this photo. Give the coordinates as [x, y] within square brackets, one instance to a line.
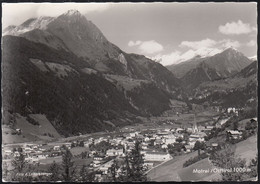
[231, 49]
[72, 12]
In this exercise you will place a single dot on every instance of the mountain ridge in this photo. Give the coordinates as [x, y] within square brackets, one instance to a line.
[229, 58]
[44, 62]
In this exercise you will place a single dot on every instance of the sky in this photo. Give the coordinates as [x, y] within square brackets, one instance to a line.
[166, 32]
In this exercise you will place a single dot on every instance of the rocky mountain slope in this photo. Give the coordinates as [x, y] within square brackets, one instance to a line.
[65, 68]
[226, 63]
[179, 70]
[239, 90]
[219, 66]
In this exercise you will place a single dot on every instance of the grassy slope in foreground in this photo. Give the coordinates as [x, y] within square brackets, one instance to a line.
[173, 169]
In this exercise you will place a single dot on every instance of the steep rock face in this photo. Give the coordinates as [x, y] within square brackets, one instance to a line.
[72, 32]
[81, 36]
[144, 68]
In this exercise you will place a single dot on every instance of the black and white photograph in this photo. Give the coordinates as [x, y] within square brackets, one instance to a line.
[129, 92]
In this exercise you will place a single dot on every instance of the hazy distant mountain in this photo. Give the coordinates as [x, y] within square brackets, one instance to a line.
[80, 80]
[179, 70]
[219, 66]
[229, 62]
[226, 63]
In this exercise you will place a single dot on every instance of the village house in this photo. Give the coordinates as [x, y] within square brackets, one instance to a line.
[91, 153]
[146, 139]
[178, 135]
[189, 148]
[28, 150]
[214, 146]
[232, 109]
[98, 158]
[16, 154]
[189, 129]
[149, 165]
[96, 141]
[158, 142]
[8, 152]
[130, 145]
[56, 148]
[132, 134]
[199, 136]
[98, 177]
[157, 156]
[18, 131]
[162, 134]
[208, 128]
[164, 146]
[201, 128]
[253, 120]
[170, 140]
[104, 167]
[235, 134]
[114, 152]
[144, 145]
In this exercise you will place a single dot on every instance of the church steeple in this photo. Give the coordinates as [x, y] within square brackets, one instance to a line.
[195, 127]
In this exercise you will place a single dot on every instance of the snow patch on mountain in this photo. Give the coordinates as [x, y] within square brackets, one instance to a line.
[31, 24]
[253, 58]
[72, 12]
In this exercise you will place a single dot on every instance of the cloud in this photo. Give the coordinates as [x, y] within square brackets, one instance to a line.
[132, 43]
[236, 28]
[203, 45]
[229, 43]
[147, 47]
[251, 43]
[167, 59]
[198, 44]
